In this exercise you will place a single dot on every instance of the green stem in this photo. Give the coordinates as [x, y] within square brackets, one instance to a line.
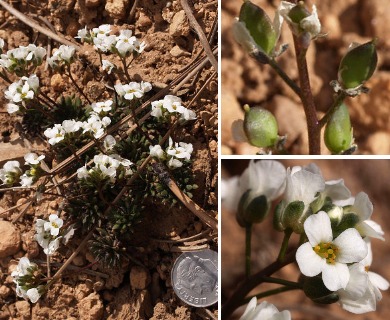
[283, 248]
[251, 282]
[285, 77]
[313, 127]
[268, 293]
[336, 103]
[286, 283]
[248, 236]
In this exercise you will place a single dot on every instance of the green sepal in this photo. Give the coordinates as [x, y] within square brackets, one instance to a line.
[259, 26]
[314, 288]
[292, 216]
[349, 220]
[251, 210]
[358, 65]
[298, 13]
[338, 134]
[260, 127]
[278, 215]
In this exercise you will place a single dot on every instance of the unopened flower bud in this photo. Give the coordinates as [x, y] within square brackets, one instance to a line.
[251, 210]
[338, 131]
[260, 127]
[348, 220]
[298, 13]
[358, 65]
[254, 27]
[315, 289]
[290, 217]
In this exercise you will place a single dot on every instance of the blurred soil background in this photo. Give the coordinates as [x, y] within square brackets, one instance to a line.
[132, 292]
[370, 176]
[245, 81]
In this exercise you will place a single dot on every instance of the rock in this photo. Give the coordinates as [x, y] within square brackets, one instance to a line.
[176, 52]
[57, 83]
[5, 292]
[179, 26]
[10, 239]
[30, 245]
[375, 15]
[378, 143]
[231, 111]
[116, 8]
[23, 308]
[91, 307]
[143, 20]
[92, 3]
[139, 278]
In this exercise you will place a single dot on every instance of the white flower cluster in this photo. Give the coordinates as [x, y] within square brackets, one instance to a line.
[106, 167]
[338, 227]
[18, 60]
[264, 311]
[94, 125]
[25, 269]
[123, 45]
[174, 154]
[48, 233]
[171, 105]
[20, 92]
[11, 171]
[132, 90]
[63, 55]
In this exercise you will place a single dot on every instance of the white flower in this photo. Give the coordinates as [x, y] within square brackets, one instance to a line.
[104, 43]
[33, 295]
[188, 115]
[139, 46]
[96, 125]
[132, 90]
[33, 158]
[52, 246]
[102, 107]
[109, 142]
[174, 163]
[101, 31]
[363, 289]
[323, 254]
[230, 194]
[53, 225]
[63, 54]
[82, 173]
[180, 150]
[172, 103]
[10, 172]
[26, 181]
[82, 34]
[55, 134]
[22, 90]
[22, 268]
[363, 208]
[156, 151]
[157, 109]
[108, 66]
[36, 53]
[70, 126]
[125, 42]
[264, 311]
[12, 108]
[310, 24]
[145, 86]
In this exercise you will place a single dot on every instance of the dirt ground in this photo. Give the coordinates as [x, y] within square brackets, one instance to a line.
[359, 175]
[129, 292]
[244, 81]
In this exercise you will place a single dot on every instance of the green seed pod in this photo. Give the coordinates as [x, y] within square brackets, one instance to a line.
[358, 65]
[338, 131]
[315, 289]
[260, 127]
[298, 13]
[259, 26]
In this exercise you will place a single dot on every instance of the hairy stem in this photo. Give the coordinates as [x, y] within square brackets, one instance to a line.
[237, 298]
[283, 248]
[313, 126]
[283, 282]
[248, 248]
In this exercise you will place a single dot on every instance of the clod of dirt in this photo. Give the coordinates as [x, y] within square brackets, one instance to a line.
[92, 3]
[231, 111]
[9, 240]
[139, 278]
[4, 292]
[23, 308]
[176, 52]
[57, 83]
[179, 26]
[17, 38]
[60, 7]
[30, 245]
[143, 21]
[116, 8]
[91, 307]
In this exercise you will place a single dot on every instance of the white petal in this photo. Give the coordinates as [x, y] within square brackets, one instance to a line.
[336, 190]
[318, 228]
[365, 304]
[249, 309]
[366, 230]
[358, 282]
[351, 245]
[33, 295]
[309, 262]
[363, 206]
[266, 311]
[335, 276]
[238, 131]
[378, 281]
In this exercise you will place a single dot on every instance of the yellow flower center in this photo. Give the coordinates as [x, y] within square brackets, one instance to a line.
[327, 251]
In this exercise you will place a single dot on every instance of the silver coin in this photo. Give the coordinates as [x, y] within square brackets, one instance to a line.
[195, 278]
